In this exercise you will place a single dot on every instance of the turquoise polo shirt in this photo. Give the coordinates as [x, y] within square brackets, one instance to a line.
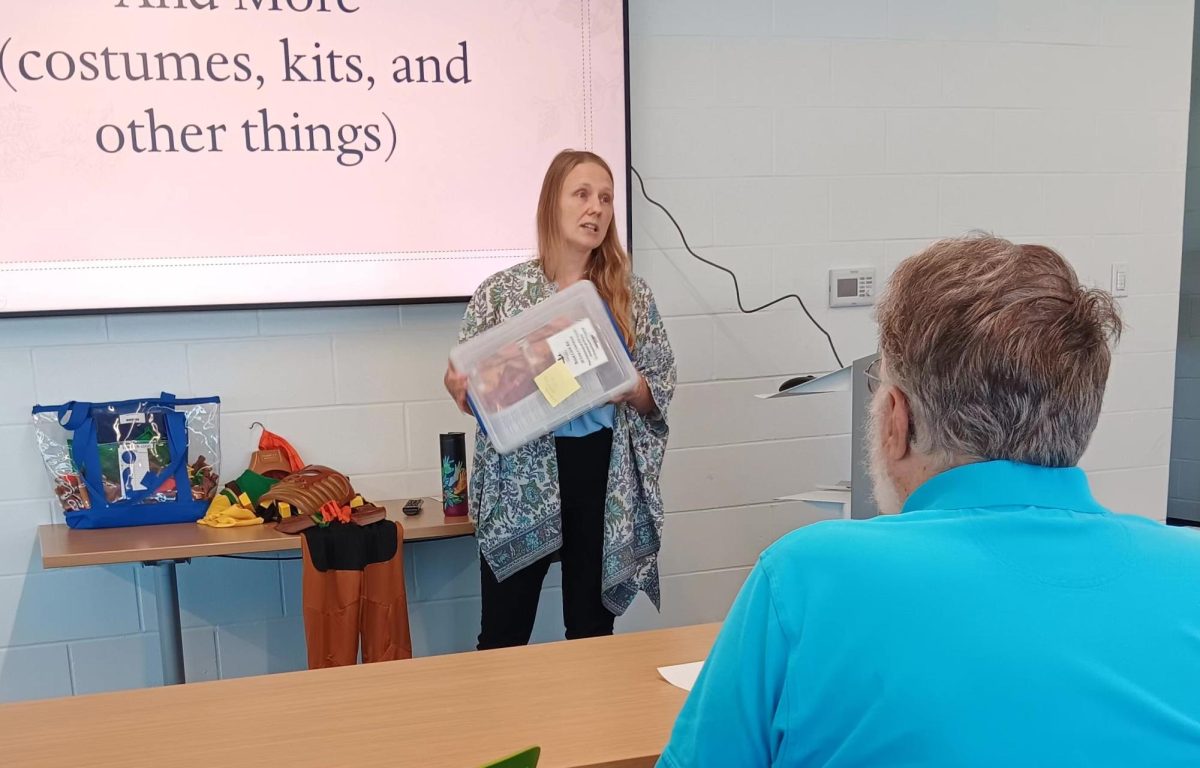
[1004, 619]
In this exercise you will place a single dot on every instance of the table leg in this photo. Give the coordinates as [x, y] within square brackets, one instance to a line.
[170, 635]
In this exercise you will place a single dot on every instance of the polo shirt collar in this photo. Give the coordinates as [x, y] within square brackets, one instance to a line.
[1005, 484]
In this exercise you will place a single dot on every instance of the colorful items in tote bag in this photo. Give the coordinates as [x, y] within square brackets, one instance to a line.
[132, 462]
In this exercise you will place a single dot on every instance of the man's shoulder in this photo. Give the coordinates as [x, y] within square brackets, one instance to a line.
[901, 543]
[840, 554]
[847, 533]
[1151, 534]
[831, 543]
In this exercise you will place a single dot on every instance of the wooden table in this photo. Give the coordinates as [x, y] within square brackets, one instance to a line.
[596, 702]
[162, 546]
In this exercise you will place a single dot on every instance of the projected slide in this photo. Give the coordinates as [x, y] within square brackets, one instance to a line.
[179, 153]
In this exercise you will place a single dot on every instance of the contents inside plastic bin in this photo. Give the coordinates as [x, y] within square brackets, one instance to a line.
[540, 369]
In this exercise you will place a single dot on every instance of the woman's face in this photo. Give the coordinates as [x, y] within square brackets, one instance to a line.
[585, 207]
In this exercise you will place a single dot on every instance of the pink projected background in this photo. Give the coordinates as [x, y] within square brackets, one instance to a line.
[225, 152]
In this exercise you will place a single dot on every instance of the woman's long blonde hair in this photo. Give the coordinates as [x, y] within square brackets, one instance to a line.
[608, 266]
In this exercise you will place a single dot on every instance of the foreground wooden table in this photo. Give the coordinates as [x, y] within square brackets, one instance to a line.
[162, 546]
[595, 702]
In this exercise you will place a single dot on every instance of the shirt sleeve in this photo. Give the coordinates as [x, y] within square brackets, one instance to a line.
[733, 713]
[653, 357]
[479, 315]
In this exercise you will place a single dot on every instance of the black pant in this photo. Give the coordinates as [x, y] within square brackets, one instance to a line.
[510, 606]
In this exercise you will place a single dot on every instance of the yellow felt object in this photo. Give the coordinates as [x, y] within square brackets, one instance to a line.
[222, 513]
[219, 504]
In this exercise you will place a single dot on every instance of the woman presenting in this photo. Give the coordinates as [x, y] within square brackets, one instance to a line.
[587, 494]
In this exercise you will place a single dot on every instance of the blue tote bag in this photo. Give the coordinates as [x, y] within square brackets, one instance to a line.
[131, 462]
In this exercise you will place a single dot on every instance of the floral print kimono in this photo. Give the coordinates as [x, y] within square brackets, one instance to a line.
[514, 499]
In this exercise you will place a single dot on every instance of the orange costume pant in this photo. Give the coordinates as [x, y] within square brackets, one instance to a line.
[354, 594]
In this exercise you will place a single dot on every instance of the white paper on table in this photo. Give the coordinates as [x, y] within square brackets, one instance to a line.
[682, 675]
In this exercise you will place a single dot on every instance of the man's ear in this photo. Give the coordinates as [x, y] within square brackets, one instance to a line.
[895, 422]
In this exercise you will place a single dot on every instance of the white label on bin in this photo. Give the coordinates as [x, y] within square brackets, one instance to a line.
[578, 347]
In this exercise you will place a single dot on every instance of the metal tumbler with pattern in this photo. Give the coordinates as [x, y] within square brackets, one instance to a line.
[454, 473]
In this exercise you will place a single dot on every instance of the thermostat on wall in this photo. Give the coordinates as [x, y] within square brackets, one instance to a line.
[852, 287]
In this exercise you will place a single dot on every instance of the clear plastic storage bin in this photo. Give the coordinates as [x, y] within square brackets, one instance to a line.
[538, 370]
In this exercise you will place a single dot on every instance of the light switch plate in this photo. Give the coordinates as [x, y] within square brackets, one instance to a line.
[1120, 280]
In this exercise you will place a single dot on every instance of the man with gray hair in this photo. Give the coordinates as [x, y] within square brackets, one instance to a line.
[1004, 618]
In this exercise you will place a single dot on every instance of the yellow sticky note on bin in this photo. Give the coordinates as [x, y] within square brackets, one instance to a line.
[556, 383]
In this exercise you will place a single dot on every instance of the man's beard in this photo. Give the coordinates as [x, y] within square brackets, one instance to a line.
[883, 487]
